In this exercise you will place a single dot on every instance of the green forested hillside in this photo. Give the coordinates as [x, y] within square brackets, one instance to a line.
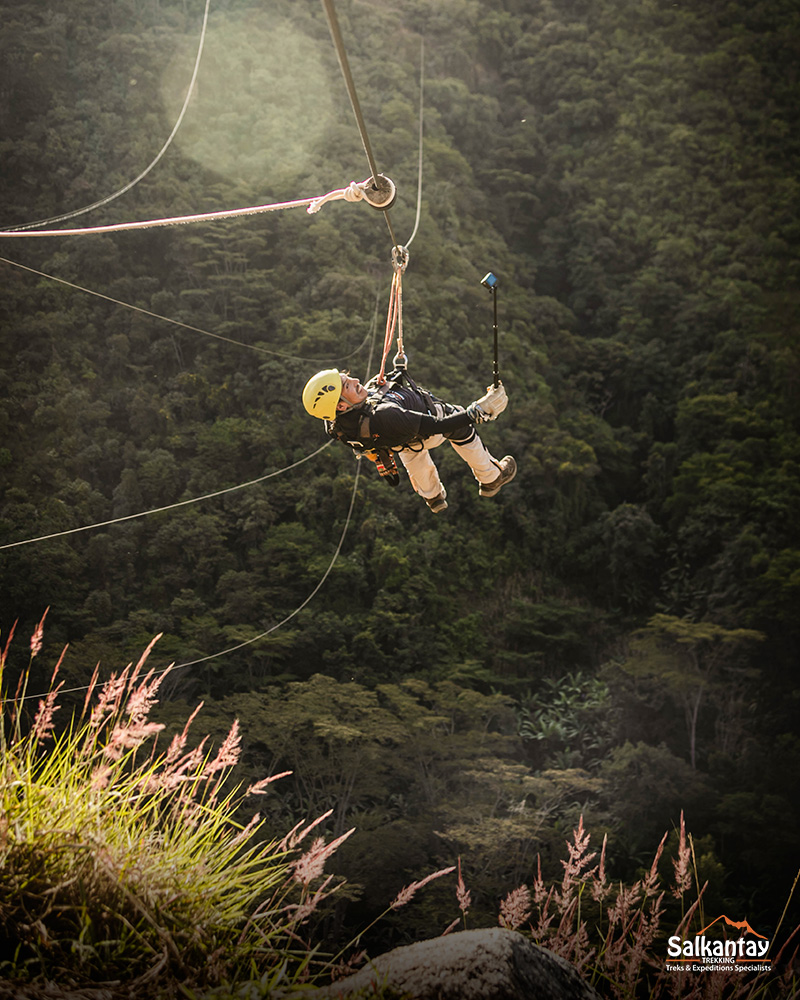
[616, 634]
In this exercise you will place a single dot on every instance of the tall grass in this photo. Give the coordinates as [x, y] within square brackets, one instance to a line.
[616, 935]
[123, 863]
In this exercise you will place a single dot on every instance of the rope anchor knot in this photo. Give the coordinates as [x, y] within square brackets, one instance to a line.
[380, 195]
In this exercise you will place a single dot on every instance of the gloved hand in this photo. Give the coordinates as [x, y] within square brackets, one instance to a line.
[490, 406]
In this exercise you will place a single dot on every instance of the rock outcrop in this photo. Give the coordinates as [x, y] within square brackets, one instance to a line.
[493, 964]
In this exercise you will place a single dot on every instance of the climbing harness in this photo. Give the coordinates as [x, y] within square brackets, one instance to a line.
[354, 427]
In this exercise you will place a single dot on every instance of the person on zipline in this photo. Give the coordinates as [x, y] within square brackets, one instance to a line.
[397, 417]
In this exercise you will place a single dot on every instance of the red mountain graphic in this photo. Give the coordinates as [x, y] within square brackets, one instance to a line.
[741, 925]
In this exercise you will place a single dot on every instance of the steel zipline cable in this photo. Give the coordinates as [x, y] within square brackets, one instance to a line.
[208, 496]
[410, 239]
[261, 635]
[353, 193]
[344, 63]
[176, 322]
[379, 193]
[171, 506]
[283, 621]
[146, 171]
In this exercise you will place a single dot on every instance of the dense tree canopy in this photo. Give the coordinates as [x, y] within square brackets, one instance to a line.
[616, 634]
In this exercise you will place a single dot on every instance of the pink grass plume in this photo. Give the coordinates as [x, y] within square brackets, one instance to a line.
[4, 653]
[259, 787]
[302, 911]
[43, 721]
[244, 834]
[346, 968]
[296, 835]
[462, 892]
[143, 698]
[406, 894]
[179, 739]
[38, 633]
[650, 883]
[228, 753]
[312, 864]
[90, 690]
[681, 864]
[600, 885]
[515, 908]
[129, 737]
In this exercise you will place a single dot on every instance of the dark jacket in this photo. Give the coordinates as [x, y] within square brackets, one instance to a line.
[397, 415]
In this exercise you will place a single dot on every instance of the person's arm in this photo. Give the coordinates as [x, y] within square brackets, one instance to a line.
[429, 425]
[482, 410]
[396, 426]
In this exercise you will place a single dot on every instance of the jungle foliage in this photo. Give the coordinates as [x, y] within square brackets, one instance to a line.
[616, 635]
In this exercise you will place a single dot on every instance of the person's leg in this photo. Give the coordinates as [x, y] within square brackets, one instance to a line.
[478, 457]
[469, 446]
[490, 473]
[420, 467]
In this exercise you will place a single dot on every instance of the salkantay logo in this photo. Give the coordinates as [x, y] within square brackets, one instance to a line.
[703, 953]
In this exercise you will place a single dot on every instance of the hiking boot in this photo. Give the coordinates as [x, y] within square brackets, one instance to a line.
[438, 503]
[508, 469]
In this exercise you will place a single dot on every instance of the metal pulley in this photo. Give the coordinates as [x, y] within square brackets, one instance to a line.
[380, 192]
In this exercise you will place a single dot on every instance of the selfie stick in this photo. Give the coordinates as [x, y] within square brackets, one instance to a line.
[490, 282]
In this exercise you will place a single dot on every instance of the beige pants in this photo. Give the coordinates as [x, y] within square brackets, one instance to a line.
[424, 475]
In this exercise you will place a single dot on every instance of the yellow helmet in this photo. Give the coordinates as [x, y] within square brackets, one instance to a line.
[322, 393]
